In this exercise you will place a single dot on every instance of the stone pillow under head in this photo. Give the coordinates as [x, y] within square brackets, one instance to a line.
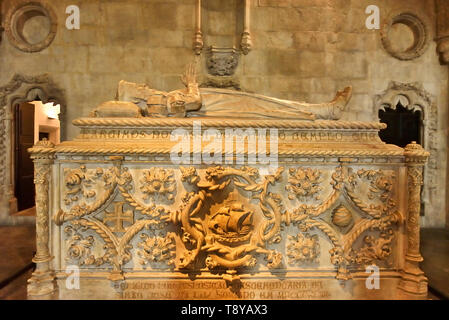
[117, 109]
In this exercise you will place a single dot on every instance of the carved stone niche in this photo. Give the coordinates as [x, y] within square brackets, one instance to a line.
[31, 26]
[405, 36]
[413, 97]
[246, 39]
[20, 89]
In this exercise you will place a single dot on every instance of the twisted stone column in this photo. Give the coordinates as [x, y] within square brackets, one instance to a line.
[413, 280]
[42, 282]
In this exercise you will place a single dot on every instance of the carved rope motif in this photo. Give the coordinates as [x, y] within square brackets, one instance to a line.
[229, 244]
[80, 218]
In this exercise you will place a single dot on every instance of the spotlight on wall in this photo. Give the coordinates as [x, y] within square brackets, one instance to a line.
[52, 111]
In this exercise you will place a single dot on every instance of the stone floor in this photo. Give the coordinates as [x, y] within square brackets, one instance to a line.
[435, 251]
[17, 248]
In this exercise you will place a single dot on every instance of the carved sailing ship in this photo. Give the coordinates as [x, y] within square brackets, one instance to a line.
[339, 199]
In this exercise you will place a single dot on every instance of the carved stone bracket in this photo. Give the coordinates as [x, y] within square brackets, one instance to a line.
[42, 281]
[413, 279]
[442, 39]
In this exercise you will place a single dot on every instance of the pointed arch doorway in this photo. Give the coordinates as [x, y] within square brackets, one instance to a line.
[15, 100]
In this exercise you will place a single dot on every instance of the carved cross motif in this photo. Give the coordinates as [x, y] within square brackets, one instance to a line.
[119, 217]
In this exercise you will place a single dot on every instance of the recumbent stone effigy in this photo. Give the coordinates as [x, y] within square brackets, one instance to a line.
[334, 201]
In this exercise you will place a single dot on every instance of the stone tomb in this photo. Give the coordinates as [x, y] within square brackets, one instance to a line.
[326, 207]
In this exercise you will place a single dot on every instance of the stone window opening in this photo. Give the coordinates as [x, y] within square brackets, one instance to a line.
[404, 126]
[421, 107]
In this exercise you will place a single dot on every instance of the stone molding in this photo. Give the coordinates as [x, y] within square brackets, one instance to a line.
[13, 20]
[419, 28]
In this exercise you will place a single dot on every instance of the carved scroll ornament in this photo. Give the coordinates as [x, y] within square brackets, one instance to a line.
[229, 238]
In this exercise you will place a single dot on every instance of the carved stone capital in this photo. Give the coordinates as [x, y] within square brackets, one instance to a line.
[415, 155]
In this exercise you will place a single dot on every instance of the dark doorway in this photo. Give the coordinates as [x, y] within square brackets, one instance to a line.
[24, 167]
[404, 126]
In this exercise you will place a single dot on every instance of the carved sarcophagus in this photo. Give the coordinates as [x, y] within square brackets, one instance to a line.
[148, 208]
[219, 194]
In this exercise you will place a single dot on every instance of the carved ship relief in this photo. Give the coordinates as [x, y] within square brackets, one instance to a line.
[338, 201]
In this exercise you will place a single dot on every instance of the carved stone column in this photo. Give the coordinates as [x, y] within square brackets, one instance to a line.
[198, 38]
[9, 185]
[42, 282]
[246, 43]
[413, 280]
[442, 13]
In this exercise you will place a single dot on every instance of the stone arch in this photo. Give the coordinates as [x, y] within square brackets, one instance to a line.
[20, 89]
[413, 97]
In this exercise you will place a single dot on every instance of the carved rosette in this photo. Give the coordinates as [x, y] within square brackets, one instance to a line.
[303, 248]
[42, 280]
[413, 279]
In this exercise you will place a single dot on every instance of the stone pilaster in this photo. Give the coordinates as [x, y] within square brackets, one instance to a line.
[42, 282]
[413, 280]
[442, 13]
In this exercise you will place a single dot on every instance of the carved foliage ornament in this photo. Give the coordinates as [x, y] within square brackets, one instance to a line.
[303, 182]
[303, 248]
[378, 216]
[231, 236]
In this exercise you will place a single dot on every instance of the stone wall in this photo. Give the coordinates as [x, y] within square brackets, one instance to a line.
[302, 50]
